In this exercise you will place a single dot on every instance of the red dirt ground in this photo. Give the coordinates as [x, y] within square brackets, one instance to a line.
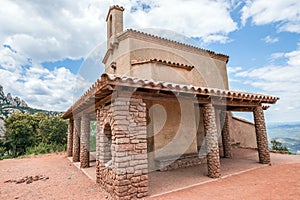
[65, 180]
[274, 182]
[279, 181]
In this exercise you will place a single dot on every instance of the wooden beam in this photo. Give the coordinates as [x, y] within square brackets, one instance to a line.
[91, 108]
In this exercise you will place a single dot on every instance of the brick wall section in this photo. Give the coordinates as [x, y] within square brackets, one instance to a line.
[70, 138]
[261, 136]
[85, 142]
[225, 135]
[213, 158]
[76, 142]
[127, 176]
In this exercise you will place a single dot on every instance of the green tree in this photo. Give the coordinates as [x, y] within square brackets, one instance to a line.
[20, 133]
[35, 133]
[35, 121]
[53, 130]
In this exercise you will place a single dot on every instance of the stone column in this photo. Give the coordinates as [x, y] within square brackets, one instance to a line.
[213, 158]
[261, 136]
[122, 166]
[85, 142]
[226, 135]
[70, 138]
[76, 140]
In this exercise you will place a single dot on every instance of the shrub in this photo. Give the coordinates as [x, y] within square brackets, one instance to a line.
[33, 134]
[44, 148]
[277, 146]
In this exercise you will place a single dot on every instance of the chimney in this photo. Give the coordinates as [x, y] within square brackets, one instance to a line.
[114, 21]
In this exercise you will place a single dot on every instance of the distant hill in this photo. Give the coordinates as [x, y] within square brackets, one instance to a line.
[10, 105]
[286, 133]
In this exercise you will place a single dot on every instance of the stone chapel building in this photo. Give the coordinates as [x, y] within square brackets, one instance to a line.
[160, 105]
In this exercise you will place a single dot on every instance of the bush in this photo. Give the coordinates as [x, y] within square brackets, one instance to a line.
[44, 148]
[6, 157]
[277, 146]
[33, 134]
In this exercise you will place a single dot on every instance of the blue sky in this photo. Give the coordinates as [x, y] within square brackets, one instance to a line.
[43, 44]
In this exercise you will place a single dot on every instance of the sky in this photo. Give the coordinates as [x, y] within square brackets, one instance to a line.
[44, 44]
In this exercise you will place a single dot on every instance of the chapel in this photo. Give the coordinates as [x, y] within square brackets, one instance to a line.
[160, 105]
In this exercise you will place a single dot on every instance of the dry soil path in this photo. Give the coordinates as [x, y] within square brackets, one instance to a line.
[275, 182]
[279, 181]
[65, 180]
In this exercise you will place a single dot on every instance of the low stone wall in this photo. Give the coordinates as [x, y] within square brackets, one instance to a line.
[166, 164]
[105, 177]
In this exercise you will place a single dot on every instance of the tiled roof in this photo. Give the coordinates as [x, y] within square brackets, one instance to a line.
[107, 80]
[137, 82]
[166, 62]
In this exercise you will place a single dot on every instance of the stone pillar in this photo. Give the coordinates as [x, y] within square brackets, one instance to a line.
[261, 136]
[76, 140]
[226, 135]
[213, 158]
[85, 142]
[122, 166]
[70, 138]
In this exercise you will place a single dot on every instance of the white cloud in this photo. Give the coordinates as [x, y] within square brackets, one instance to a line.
[232, 70]
[208, 20]
[47, 31]
[33, 32]
[262, 12]
[282, 81]
[269, 39]
[38, 86]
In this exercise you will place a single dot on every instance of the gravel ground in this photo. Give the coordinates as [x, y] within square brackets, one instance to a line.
[244, 178]
[275, 182]
[279, 181]
[65, 180]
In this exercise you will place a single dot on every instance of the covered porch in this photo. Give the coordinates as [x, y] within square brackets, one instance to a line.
[119, 104]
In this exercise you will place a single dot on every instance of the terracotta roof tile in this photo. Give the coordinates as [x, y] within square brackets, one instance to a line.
[117, 80]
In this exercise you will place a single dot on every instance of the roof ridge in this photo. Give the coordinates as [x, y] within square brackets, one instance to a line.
[167, 62]
[176, 42]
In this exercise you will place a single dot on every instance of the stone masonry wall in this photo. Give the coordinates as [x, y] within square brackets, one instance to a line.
[182, 162]
[70, 137]
[261, 136]
[123, 172]
[213, 158]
